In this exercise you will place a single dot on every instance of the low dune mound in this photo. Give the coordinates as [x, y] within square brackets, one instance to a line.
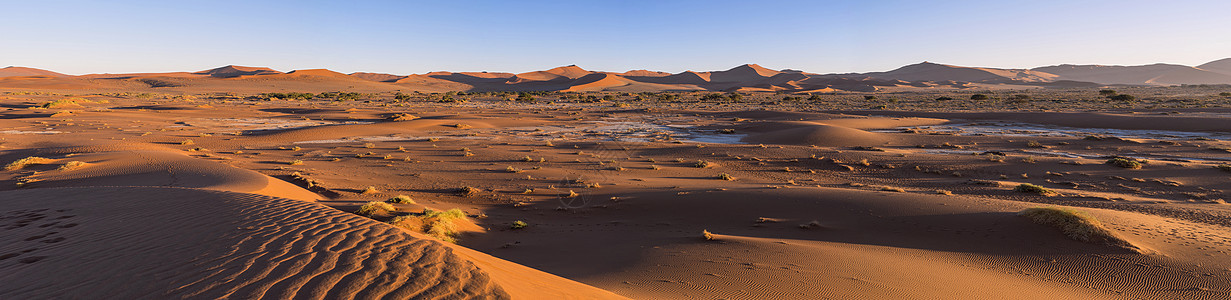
[1078, 226]
[812, 133]
[160, 243]
[237, 71]
[150, 167]
[12, 71]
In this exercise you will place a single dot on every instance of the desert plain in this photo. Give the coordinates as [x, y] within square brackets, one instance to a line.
[749, 183]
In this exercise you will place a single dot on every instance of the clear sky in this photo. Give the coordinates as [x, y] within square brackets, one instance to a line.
[404, 37]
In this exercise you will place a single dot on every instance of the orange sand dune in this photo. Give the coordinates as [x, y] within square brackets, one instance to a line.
[12, 71]
[158, 243]
[565, 72]
[236, 71]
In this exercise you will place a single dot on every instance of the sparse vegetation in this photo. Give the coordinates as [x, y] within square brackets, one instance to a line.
[71, 165]
[22, 163]
[467, 191]
[1127, 163]
[705, 234]
[519, 224]
[1034, 189]
[725, 176]
[375, 208]
[441, 225]
[1075, 225]
[1224, 167]
[401, 199]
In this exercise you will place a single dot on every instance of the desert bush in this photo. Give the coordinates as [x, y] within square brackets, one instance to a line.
[943, 98]
[1224, 167]
[519, 224]
[295, 162]
[1225, 94]
[401, 117]
[71, 165]
[1034, 189]
[1107, 92]
[401, 199]
[703, 164]
[22, 163]
[374, 208]
[725, 176]
[1126, 163]
[60, 103]
[440, 224]
[705, 234]
[467, 191]
[1122, 97]
[979, 97]
[1075, 225]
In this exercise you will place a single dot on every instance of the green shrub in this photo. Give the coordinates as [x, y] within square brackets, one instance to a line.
[725, 176]
[979, 97]
[1122, 97]
[1107, 92]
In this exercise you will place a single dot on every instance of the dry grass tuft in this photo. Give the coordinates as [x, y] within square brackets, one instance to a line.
[401, 199]
[1034, 189]
[1076, 225]
[71, 165]
[707, 235]
[519, 224]
[466, 191]
[22, 163]
[1126, 163]
[375, 208]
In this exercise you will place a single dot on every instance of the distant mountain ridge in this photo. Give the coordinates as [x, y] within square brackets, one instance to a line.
[743, 78]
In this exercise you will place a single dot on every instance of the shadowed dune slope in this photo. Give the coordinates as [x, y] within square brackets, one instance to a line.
[160, 243]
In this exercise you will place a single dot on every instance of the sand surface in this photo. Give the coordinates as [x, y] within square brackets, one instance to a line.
[231, 195]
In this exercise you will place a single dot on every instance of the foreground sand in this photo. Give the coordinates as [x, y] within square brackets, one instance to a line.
[196, 198]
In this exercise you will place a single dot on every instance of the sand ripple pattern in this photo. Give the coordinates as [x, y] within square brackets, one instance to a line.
[164, 243]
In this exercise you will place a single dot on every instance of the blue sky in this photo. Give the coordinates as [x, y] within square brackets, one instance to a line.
[404, 37]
